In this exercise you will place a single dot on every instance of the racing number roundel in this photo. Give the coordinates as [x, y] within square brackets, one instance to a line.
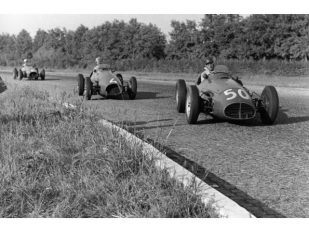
[232, 94]
[243, 94]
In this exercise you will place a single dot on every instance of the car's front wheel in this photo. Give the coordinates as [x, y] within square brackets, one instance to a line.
[270, 105]
[132, 90]
[15, 73]
[192, 104]
[88, 88]
[42, 74]
[80, 84]
[180, 95]
[20, 74]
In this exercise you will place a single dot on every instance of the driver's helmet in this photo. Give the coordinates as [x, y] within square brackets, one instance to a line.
[99, 60]
[207, 62]
[25, 61]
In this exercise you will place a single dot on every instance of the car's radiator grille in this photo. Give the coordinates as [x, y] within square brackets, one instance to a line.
[113, 90]
[239, 111]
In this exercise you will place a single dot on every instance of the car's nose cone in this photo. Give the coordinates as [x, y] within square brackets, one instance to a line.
[239, 111]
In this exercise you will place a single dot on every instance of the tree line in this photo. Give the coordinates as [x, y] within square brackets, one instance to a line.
[134, 45]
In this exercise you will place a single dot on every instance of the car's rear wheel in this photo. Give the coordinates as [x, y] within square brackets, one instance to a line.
[42, 74]
[80, 84]
[180, 95]
[15, 73]
[192, 104]
[20, 74]
[88, 88]
[132, 90]
[270, 107]
[119, 76]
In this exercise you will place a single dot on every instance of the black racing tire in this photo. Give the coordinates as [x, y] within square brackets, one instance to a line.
[88, 88]
[20, 74]
[270, 108]
[192, 104]
[80, 84]
[42, 74]
[132, 89]
[119, 76]
[181, 95]
[15, 73]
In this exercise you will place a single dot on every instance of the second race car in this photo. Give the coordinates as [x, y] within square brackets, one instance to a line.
[104, 82]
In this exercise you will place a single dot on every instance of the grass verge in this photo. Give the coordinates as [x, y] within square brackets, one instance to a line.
[57, 162]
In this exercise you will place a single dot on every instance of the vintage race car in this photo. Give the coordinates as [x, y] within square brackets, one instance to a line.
[30, 72]
[105, 83]
[225, 97]
[3, 87]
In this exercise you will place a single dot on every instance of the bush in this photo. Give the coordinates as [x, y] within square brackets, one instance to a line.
[241, 67]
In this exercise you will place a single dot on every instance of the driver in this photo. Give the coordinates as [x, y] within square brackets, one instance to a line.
[103, 68]
[208, 69]
[100, 65]
[25, 63]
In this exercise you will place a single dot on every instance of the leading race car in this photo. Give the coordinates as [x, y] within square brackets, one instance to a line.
[225, 97]
[104, 82]
[30, 72]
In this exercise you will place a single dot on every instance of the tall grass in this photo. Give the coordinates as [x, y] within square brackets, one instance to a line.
[58, 162]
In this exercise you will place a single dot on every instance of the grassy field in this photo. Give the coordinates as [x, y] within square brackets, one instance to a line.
[57, 162]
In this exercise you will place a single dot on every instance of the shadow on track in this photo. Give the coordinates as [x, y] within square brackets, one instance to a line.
[38, 80]
[210, 121]
[140, 96]
[51, 80]
[282, 119]
[149, 95]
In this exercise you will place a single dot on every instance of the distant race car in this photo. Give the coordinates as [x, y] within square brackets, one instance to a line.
[3, 87]
[225, 97]
[30, 72]
[105, 83]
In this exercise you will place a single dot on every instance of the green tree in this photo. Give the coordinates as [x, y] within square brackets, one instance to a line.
[23, 43]
[292, 37]
[185, 40]
[8, 51]
[39, 40]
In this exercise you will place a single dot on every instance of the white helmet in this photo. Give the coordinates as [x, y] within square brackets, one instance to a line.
[25, 60]
[99, 60]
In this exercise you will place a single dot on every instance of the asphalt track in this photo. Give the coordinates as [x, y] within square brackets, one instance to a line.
[262, 168]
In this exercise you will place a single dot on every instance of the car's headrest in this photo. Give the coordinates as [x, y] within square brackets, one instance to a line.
[105, 66]
[221, 69]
